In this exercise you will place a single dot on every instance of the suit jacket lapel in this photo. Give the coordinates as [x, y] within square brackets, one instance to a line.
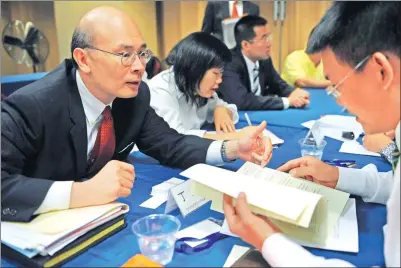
[123, 118]
[245, 68]
[78, 131]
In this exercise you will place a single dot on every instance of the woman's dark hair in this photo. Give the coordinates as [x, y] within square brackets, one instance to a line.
[153, 67]
[191, 58]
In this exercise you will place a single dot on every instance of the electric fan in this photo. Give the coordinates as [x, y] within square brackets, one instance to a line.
[26, 44]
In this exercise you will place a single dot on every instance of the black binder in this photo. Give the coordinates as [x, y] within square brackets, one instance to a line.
[77, 247]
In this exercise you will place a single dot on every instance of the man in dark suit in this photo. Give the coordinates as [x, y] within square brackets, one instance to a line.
[65, 136]
[217, 11]
[250, 80]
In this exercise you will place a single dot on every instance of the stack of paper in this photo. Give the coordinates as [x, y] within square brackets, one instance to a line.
[302, 209]
[160, 193]
[52, 231]
[333, 126]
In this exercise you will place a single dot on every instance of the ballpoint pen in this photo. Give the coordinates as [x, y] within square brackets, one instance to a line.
[341, 163]
[248, 120]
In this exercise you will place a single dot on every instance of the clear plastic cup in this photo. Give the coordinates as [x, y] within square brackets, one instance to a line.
[156, 236]
[309, 147]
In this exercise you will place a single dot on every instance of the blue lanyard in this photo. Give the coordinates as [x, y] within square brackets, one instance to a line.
[182, 247]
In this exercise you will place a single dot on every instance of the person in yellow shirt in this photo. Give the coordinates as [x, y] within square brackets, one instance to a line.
[303, 69]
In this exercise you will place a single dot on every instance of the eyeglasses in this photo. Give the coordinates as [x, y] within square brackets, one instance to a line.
[128, 58]
[333, 89]
[264, 38]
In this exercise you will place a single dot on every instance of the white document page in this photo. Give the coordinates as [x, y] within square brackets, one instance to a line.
[154, 202]
[333, 126]
[326, 214]
[164, 187]
[345, 234]
[347, 123]
[199, 230]
[354, 147]
[343, 238]
[265, 197]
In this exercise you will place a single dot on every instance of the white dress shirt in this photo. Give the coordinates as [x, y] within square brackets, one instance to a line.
[59, 194]
[240, 7]
[170, 103]
[373, 186]
[250, 66]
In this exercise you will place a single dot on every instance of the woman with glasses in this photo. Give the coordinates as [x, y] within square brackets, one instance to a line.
[185, 94]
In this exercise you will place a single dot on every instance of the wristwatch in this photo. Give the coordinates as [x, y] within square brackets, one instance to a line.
[388, 151]
[223, 152]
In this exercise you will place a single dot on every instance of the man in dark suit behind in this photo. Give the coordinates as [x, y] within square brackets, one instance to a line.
[82, 120]
[250, 80]
[217, 11]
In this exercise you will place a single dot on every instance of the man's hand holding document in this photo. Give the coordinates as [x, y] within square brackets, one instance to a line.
[301, 209]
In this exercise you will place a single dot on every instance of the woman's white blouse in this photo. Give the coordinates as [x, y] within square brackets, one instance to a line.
[170, 104]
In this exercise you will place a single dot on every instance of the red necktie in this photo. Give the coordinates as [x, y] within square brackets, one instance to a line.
[104, 147]
[235, 11]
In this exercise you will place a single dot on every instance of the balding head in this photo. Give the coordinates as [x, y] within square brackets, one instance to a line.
[105, 48]
[104, 25]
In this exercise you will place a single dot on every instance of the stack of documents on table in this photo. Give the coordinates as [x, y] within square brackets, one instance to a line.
[301, 209]
[333, 126]
[160, 193]
[267, 133]
[53, 238]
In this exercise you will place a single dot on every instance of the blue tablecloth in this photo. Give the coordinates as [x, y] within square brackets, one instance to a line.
[371, 217]
[320, 104]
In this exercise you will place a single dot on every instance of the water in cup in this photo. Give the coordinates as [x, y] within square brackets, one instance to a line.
[156, 236]
[314, 153]
[310, 148]
[160, 249]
